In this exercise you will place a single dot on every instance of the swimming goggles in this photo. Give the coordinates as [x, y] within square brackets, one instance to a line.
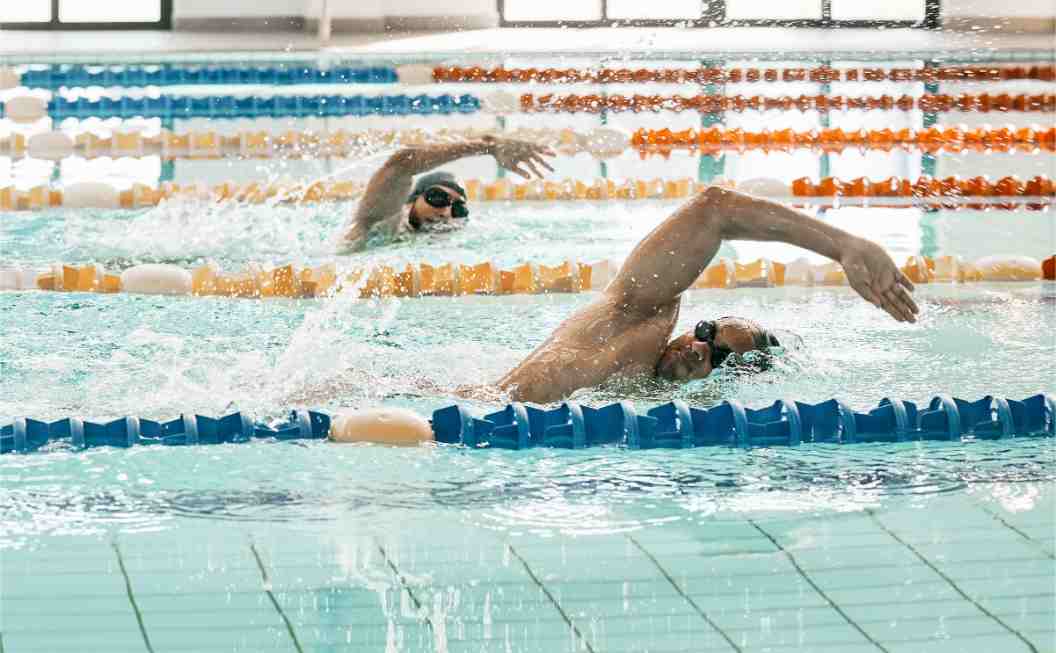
[438, 198]
[705, 332]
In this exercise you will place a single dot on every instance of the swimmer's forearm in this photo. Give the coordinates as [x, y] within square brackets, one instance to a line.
[412, 161]
[752, 218]
[673, 255]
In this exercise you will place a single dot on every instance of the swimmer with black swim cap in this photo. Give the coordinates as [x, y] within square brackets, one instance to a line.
[394, 203]
[627, 330]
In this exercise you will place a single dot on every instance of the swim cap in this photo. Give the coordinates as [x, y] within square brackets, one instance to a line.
[766, 339]
[438, 178]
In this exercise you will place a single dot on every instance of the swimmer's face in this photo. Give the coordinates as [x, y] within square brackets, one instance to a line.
[694, 355]
[438, 206]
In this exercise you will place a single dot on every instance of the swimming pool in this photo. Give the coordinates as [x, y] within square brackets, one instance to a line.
[319, 547]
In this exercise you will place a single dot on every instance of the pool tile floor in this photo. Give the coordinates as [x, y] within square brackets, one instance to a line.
[981, 578]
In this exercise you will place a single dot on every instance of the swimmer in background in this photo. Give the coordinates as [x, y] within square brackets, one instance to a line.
[395, 204]
[626, 331]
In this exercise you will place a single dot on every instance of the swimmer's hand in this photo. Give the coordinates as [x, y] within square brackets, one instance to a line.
[875, 277]
[520, 157]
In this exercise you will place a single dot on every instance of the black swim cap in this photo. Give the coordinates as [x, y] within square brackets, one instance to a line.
[438, 178]
[766, 339]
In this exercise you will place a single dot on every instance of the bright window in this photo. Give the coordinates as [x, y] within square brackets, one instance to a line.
[106, 11]
[798, 13]
[85, 14]
[773, 10]
[551, 10]
[666, 9]
[25, 11]
[912, 10]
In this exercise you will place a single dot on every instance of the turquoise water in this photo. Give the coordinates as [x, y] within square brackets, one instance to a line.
[320, 547]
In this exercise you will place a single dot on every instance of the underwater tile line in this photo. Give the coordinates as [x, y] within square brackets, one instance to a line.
[553, 600]
[132, 597]
[678, 588]
[821, 593]
[951, 583]
[1023, 534]
[406, 587]
[266, 585]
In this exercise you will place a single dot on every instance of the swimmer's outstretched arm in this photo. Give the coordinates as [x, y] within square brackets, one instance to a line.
[673, 255]
[389, 187]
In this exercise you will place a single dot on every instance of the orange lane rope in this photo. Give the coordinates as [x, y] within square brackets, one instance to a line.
[932, 103]
[931, 187]
[819, 75]
[714, 140]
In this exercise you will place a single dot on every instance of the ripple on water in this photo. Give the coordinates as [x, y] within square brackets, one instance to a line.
[604, 490]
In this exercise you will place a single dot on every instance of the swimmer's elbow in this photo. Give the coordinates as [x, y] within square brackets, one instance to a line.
[713, 193]
[401, 162]
[711, 206]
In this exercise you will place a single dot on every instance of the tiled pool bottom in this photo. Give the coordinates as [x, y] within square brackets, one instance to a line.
[967, 570]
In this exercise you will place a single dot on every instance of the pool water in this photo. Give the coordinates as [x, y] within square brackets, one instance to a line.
[312, 546]
[321, 547]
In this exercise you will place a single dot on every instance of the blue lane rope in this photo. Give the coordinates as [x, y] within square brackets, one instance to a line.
[674, 425]
[76, 75]
[297, 106]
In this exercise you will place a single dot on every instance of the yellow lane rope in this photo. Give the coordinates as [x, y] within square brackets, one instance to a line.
[455, 279]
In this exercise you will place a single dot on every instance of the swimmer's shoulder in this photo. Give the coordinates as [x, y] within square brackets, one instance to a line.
[380, 233]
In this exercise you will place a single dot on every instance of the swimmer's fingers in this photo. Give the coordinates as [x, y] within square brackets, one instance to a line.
[904, 281]
[531, 164]
[518, 170]
[899, 304]
[868, 294]
[872, 288]
[886, 304]
[897, 289]
[905, 289]
[905, 302]
[541, 161]
[542, 149]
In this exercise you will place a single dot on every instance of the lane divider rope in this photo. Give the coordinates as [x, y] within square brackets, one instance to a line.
[930, 103]
[258, 144]
[953, 140]
[976, 193]
[715, 75]
[674, 425]
[32, 108]
[601, 143]
[55, 77]
[486, 278]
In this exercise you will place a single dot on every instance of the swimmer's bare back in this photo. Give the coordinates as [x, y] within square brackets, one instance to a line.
[604, 339]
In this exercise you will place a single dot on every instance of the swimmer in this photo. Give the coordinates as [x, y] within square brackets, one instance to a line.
[626, 331]
[395, 204]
